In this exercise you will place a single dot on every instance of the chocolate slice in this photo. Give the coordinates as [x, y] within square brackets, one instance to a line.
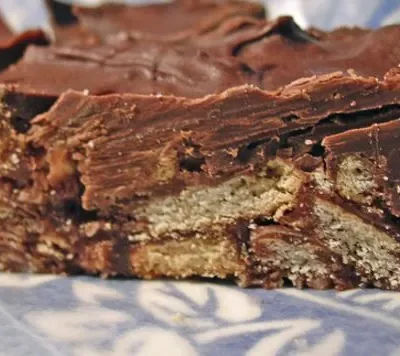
[187, 213]
[190, 167]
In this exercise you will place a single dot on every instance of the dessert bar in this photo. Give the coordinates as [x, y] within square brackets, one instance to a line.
[226, 146]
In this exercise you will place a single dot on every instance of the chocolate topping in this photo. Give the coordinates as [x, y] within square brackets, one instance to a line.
[135, 66]
[170, 21]
[285, 53]
[279, 51]
[242, 50]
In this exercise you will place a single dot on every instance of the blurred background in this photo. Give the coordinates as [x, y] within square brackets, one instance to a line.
[325, 14]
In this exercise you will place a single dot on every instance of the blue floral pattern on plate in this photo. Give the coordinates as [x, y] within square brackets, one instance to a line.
[48, 315]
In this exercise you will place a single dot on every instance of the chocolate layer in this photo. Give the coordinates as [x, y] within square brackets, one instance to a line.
[161, 141]
[242, 50]
[280, 51]
[174, 20]
[286, 54]
[135, 66]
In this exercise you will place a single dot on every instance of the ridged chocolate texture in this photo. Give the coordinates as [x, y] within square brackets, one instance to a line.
[155, 143]
[175, 20]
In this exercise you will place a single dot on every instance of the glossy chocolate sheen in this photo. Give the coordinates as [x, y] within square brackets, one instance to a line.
[242, 50]
[224, 133]
[174, 20]
[126, 66]
[280, 51]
